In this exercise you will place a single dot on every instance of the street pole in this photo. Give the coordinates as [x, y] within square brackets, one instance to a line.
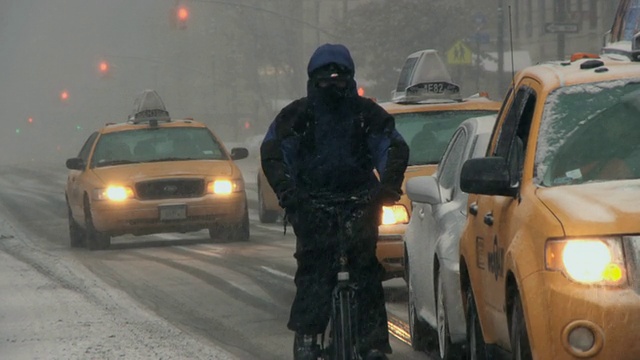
[500, 43]
[560, 17]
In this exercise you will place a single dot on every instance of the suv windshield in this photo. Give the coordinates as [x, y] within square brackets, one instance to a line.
[428, 133]
[156, 144]
[590, 133]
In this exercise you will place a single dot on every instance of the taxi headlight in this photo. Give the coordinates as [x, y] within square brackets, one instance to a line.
[396, 214]
[598, 261]
[113, 193]
[225, 187]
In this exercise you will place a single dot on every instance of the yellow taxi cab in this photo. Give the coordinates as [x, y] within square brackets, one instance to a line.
[427, 108]
[550, 251]
[154, 174]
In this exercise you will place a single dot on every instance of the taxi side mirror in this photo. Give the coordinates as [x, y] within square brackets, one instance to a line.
[75, 164]
[487, 176]
[239, 153]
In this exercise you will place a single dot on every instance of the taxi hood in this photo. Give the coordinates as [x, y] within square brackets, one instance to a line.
[611, 207]
[163, 170]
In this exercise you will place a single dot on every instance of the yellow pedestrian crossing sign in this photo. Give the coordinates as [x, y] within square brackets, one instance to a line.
[459, 54]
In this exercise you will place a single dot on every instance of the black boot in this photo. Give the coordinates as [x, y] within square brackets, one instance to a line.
[375, 354]
[305, 347]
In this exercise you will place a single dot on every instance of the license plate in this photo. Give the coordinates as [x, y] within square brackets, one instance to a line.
[173, 212]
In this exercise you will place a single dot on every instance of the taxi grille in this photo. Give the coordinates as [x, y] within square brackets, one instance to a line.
[170, 189]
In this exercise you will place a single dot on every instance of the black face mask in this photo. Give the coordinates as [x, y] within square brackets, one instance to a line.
[332, 90]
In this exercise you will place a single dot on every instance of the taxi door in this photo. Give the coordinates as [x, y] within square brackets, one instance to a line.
[499, 214]
[74, 178]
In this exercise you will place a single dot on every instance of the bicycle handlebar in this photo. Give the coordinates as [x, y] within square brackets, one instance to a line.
[327, 201]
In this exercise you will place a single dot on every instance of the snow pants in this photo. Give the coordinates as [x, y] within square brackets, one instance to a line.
[317, 253]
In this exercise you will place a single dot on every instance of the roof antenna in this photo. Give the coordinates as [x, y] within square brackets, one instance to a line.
[513, 71]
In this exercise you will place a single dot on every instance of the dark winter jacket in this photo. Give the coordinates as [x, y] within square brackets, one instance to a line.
[315, 146]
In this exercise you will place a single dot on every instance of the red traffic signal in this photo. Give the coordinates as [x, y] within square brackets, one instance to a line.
[181, 16]
[64, 95]
[104, 68]
[30, 120]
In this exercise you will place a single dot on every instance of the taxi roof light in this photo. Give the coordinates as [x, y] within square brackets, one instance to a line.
[424, 76]
[148, 106]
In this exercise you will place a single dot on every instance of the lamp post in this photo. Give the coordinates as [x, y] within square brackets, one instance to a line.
[560, 17]
[500, 45]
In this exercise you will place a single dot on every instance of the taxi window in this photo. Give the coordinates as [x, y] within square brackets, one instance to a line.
[155, 145]
[631, 24]
[86, 148]
[449, 165]
[589, 133]
[428, 133]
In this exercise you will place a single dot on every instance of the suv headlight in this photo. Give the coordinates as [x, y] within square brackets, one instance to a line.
[396, 214]
[113, 193]
[596, 261]
[224, 186]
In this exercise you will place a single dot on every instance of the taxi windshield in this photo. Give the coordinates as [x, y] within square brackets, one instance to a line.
[428, 133]
[156, 144]
[631, 25]
[590, 133]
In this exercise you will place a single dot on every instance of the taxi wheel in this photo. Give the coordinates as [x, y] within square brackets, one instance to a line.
[446, 349]
[519, 337]
[95, 239]
[475, 341]
[238, 232]
[420, 332]
[266, 216]
[76, 234]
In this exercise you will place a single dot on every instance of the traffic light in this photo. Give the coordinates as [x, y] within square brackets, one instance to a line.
[104, 68]
[181, 16]
[64, 95]
[30, 120]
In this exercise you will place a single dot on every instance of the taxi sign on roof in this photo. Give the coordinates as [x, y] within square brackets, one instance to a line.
[149, 106]
[424, 76]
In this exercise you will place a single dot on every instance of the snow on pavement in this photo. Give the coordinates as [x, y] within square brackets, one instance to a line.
[52, 307]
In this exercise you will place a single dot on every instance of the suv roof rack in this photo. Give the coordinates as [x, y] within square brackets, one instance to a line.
[149, 106]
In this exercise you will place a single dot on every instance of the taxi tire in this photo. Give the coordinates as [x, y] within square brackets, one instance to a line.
[76, 233]
[241, 231]
[94, 239]
[266, 216]
[519, 338]
[445, 348]
[237, 232]
[476, 349]
[422, 335]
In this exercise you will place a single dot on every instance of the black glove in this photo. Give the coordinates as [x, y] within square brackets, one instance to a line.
[386, 196]
[291, 199]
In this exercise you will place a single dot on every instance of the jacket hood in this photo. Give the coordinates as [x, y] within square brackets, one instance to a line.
[330, 53]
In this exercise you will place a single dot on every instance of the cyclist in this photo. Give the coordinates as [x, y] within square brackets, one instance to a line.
[330, 142]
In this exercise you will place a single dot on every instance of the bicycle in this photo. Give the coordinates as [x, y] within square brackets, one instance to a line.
[343, 341]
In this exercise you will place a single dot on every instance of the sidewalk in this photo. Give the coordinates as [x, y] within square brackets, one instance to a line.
[53, 308]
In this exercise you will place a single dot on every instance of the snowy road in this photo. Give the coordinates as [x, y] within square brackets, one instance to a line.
[170, 296]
